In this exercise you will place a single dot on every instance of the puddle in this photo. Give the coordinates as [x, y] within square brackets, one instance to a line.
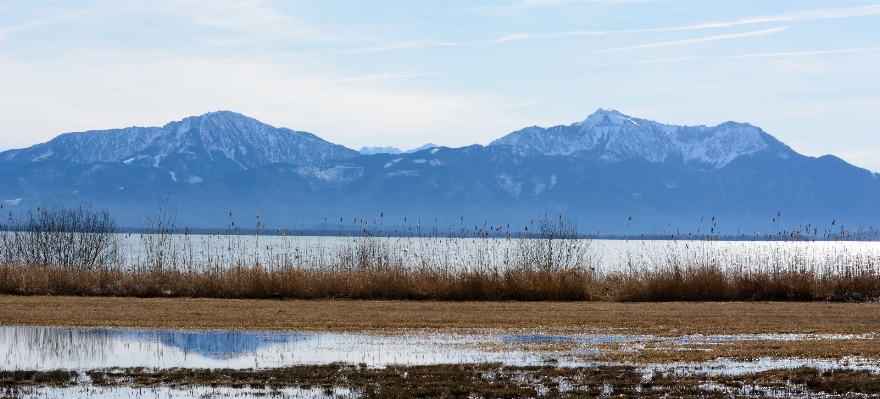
[50, 348]
[581, 339]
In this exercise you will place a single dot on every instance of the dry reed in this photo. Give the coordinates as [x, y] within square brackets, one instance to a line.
[550, 263]
[664, 284]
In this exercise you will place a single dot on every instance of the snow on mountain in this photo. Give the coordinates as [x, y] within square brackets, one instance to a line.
[427, 146]
[379, 150]
[611, 136]
[394, 150]
[224, 137]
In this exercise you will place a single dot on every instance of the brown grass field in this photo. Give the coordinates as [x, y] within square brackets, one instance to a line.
[664, 318]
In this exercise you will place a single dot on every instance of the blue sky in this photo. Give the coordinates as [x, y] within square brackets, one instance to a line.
[403, 73]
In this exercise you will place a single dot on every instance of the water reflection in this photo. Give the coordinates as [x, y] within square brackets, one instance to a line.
[47, 348]
[50, 348]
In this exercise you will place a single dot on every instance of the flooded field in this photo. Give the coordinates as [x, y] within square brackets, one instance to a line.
[149, 363]
[74, 348]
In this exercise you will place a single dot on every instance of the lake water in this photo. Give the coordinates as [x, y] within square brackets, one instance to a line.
[487, 253]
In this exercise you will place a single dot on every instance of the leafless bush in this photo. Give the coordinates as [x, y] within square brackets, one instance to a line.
[78, 238]
[553, 246]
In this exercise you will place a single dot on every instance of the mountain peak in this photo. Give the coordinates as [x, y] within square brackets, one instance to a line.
[215, 141]
[608, 135]
[607, 117]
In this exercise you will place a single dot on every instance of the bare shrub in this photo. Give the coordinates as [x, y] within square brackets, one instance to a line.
[555, 245]
[53, 235]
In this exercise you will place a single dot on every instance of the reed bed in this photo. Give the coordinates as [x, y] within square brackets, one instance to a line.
[552, 262]
[677, 282]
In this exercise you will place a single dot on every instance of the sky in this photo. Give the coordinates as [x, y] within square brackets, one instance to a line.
[454, 73]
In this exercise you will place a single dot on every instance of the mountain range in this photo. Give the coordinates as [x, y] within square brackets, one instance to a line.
[610, 173]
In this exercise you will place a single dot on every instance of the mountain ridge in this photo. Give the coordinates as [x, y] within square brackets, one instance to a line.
[601, 171]
[223, 138]
[608, 135]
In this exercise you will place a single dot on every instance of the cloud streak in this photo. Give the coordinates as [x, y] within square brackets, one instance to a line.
[697, 40]
[806, 15]
[384, 76]
[4, 34]
[757, 55]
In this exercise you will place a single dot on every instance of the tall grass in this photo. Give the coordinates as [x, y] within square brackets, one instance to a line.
[551, 262]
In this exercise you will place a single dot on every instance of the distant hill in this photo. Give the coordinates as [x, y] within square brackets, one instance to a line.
[611, 173]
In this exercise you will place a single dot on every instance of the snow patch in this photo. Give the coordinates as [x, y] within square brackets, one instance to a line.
[194, 180]
[42, 157]
[419, 161]
[13, 201]
[434, 151]
[404, 173]
[173, 175]
[392, 162]
[93, 169]
[332, 174]
[436, 162]
[508, 184]
[424, 147]
[128, 161]
[379, 150]
[539, 187]
[184, 127]
[782, 155]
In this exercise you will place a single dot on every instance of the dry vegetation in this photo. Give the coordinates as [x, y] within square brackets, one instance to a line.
[59, 251]
[702, 283]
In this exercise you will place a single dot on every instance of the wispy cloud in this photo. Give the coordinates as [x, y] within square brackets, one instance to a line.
[502, 39]
[520, 5]
[756, 55]
[805, 15]
[786, 17]
[801, 53]
[4, 34]
[384, 76]
[696, 40]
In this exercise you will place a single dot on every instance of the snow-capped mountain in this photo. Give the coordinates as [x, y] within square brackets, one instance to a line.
[216, 141]
[610, 172]
[611, 136]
